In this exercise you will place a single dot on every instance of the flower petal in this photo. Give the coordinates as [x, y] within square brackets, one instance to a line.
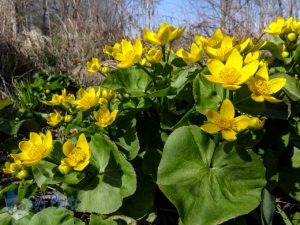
[235, 60]
[272, 99]
[228, 135]
[215, 67]
[227, 109]
[67, 147]
[35, 138]
[257, 98]
[82, 143]
[276, 84]
[210, 128]
[213, 116]
[248, 71]
[242, 122]
[214, 79]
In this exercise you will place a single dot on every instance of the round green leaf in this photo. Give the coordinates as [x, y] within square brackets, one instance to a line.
[209, 186]
[55, 216]
[116, 179]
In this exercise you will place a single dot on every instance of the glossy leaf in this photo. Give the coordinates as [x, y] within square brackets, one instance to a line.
[206, 184]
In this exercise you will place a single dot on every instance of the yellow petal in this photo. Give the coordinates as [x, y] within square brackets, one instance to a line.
[210, 128]
[82, 143]
[231, 87]
[228, 135]
[213, 116]
[235, 60]
[227, 109]
[263, 73]
[64, 168]
[248, 71]
[272, 99]
[215, 66]
[35, 138]
[276, 84]
[214, 79]
[257, 98]
[67, 147]
[242, 122]
[25, 146]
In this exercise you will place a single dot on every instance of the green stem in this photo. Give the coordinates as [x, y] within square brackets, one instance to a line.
[169, 52]
[163, 49]
[285, 218]
[230, 95]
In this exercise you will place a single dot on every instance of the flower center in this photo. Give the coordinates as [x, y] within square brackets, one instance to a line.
[75, 157]
[222, 53]
[226, 124]
[229, 75]
[261, 87]
[131, 56]
[36, 152]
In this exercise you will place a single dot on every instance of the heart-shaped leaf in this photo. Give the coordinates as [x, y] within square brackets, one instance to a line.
[206, 184]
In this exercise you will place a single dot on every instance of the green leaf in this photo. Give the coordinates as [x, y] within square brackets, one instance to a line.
[99, 220]
[126, 137]
[55, 216]
[292, 86]
[273, 48]
[116, 179]
[296, 54]
[207, 95]
[205, 184]
[43, 173]
[9, 126]
[133, 80]
[267, 207]
[243, 102]
[289, 173]
[181, 77]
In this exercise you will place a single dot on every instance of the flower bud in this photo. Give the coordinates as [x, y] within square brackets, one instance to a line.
[292, 37]
[105, 69]
[64, 169]
[22, 174]
[284, 54]
[68, 118]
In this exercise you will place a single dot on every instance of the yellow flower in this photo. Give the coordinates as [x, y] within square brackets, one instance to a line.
[214, 41]
[233, 73]
[256, 124]
[94, 65]
[129, 54]
[77, 157]
[165, 33]
[262, 88]
[193, 56]
[108, 94]
[35, 149]
[87, 99]
[225, 121]
[12, 167]
[154, 55]
[62, 99]
[221, 53]
[251, 56]
[54, 118]
[22, 174]
[104, 117]
[280, 26]
[109, 50]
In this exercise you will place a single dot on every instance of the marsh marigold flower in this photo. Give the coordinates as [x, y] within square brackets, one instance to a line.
[233, 73]
[104, 117]
[256, 124]
[129, 54]
[22, 174]
[225, 121]
[12, 167]
[77, 156]
[87, 99]
[94, 65]
[214, 41]
[35, 149]
[165, 33]
[64, 99]
[54, 118]
[154, 55]
[280, 26]
[193, 56]
[262, 88]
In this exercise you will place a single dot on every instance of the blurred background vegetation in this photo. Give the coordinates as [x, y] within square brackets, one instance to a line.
[61, 35]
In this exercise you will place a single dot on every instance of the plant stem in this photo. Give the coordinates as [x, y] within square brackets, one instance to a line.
[169, 52]
[283, 215]
[163, 49]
